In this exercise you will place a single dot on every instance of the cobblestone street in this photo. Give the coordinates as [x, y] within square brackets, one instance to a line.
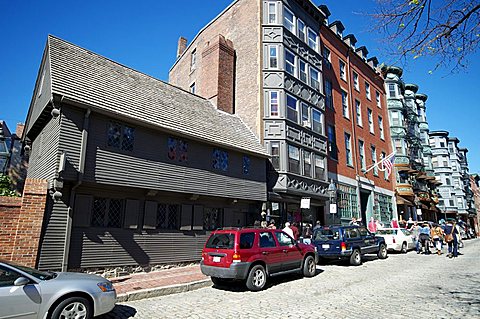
[402, 286]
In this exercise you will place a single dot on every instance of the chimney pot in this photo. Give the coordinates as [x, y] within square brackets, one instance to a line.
[182, 45]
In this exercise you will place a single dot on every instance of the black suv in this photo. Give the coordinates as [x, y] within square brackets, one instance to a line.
[348, 243]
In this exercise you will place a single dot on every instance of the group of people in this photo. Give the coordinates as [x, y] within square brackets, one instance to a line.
[438, 235]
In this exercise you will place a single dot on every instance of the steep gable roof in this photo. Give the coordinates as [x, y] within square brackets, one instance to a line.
[85, 77]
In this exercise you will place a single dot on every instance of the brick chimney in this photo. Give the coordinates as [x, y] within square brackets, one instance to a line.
[217, 73]
[19, 130]
[182, 45]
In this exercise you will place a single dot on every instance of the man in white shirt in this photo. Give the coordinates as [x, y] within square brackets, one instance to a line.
[288, 230]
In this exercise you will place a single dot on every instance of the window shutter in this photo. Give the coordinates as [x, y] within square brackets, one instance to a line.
[150, 217]
[186, 217]
[131, 214]
[197, 217]
[82, 210]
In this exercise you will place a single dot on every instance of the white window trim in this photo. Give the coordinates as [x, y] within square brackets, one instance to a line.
[368, 91]
[344, 76]
[270, 104]
[300, 21]
[316, 38]
[380, 127]
[378, 98]
[275, 12]
[356, 84]
[317, 79]
[358, 111]
[345, 109]
[287, 107]
[270, 57]
[371, 125]
[288, 63]
[285, 8]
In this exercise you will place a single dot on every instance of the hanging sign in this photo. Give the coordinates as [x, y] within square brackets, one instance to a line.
[305, 202]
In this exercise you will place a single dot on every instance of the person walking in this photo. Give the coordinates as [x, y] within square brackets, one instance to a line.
[379, 224]
[307, 234]
[317, 225]
[288, 230]
[437, 235]
[424, 238]
[372, 226]
[353, 222]
[451, 233]
[415, 229]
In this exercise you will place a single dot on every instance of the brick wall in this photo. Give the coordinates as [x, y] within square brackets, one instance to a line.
[9, 212]
[21, 223]
[239, 23]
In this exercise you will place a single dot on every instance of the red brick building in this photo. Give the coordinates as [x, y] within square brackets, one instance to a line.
[357, 126]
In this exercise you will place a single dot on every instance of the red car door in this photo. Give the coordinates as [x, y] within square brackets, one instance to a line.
[292, 254]
[272, 253]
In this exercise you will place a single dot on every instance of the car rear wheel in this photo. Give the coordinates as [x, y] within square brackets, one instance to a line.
[403, 250]
[382, 252]
[257, 277]
[356, 258]
[73, 307]
[309, 267]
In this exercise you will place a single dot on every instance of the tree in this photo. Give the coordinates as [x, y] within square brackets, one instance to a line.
[6, 186]
[448, 30]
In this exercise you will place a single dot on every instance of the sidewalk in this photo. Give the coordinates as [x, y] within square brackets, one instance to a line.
[159, 283]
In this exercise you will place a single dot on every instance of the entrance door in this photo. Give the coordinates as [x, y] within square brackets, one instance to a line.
[364, 196]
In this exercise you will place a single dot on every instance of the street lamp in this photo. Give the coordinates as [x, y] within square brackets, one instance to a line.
[332, 193]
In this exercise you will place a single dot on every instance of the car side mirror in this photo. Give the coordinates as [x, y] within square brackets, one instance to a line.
[21, 281]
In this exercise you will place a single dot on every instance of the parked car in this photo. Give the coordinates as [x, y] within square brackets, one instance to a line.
[348, 243]
[397, 239]
[28, 293]
[251, 255]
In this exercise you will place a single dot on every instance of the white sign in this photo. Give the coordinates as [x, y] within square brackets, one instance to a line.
[419, 211]
[333, 208]
[305, 203]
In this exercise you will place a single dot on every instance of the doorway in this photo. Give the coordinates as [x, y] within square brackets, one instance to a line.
[364, 198]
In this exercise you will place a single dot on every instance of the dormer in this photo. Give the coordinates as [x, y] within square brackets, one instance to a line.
[337, 28]
[373, 62]
[324, 9]
[362, 52]
[350, 40]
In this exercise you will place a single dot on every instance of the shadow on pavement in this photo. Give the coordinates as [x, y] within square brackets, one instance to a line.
[120, 312]
[239, 286]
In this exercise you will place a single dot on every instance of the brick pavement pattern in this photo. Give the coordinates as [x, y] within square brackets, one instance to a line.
[402, 286]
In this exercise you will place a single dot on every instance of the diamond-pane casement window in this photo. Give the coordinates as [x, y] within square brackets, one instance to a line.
[115, 208]
[220, 160]
[246, 165]
[172, 216]
[162, 216]
[114, 134]
[98, 213]
[177, 150]
[211, 219]
[128, 138]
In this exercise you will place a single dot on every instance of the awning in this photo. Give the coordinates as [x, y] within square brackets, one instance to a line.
[403, 201]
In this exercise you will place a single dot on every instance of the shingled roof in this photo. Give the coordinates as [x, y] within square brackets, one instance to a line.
[91, 79]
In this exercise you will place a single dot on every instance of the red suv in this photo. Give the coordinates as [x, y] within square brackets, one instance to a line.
[252, 254]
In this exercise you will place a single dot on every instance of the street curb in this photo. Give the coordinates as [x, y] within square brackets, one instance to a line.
[163, 291]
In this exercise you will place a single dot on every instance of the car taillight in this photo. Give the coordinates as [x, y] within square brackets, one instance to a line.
[343, 246]
[236, 258]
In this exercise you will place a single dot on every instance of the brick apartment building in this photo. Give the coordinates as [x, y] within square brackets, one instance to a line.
[264, 61]
[356, 126]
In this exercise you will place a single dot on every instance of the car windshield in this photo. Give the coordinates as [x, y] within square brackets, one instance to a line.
[222, 240]
[42, 275]
[386, 232]
[326, 234]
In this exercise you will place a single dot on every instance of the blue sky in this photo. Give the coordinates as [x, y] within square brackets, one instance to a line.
[143, 35]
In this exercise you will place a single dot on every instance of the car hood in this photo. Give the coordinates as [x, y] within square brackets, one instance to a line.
[68, 276]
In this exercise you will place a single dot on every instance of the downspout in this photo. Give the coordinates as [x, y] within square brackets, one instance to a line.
[81, 170]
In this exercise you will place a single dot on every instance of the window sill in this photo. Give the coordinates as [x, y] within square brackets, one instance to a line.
[350, 166]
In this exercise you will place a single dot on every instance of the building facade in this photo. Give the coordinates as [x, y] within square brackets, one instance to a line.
[275, 84]
[357, 127]
[416, 185]
[139, 172]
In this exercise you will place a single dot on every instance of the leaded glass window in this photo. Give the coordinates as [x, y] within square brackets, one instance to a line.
[177, 150]
[115, 208]
[212, 218]
[167, 216]
[120, 136]
[246, 165]
[98, 213]
[220, 160]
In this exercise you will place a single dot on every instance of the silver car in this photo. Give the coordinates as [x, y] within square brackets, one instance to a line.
[29, 293]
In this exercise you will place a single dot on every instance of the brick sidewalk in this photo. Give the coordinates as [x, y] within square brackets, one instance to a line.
[162, 282]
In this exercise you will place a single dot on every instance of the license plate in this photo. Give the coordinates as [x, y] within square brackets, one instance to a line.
[325, 246]
[216, 259]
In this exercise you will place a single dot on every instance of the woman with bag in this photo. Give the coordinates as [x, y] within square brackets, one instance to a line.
[437, 235]
[451, 239]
